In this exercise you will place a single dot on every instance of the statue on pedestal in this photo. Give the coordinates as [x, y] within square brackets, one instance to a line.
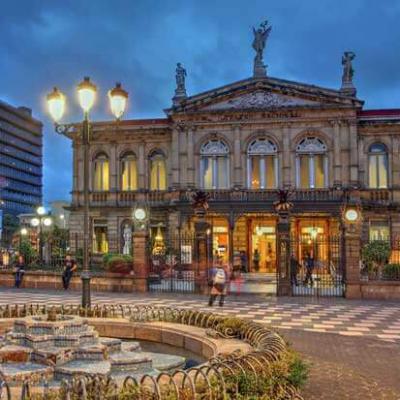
[127, 235]
[260, 37]
[180, 77]
[348, 72]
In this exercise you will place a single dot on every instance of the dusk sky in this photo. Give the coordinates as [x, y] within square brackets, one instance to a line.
[44, 43]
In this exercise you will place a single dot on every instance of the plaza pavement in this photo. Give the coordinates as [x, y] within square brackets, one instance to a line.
[370, 319]
[352, 347]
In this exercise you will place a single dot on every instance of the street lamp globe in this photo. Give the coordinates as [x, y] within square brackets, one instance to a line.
[47, 221]
[118, 98]
[24, 231]
[87, 94]
[35, 222]
[56, 104]
[41, 210]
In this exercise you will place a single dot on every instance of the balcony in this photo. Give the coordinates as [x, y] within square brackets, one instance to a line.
[376, 196]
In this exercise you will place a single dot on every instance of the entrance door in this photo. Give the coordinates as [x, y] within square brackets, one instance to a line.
[262, 235]
[316, 267]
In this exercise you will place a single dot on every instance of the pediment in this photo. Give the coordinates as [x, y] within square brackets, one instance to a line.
[263, 94]
[260, 99]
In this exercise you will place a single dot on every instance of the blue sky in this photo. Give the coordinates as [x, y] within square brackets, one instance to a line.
[50, 42]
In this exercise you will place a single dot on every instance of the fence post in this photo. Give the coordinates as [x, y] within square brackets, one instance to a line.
[283, 255]
[352, 248]
[140, 260]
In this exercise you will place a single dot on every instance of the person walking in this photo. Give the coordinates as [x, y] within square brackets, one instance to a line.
[309, 264]
[243, 261]
[69, 268]
[218, 280]
[19, 271]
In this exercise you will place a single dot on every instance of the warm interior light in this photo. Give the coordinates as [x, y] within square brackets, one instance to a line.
[41, 210]
[87, 93]
[56, 104]
[47, 221]
[159, 237]
[118, 98]
[24, 231]
[35, 222]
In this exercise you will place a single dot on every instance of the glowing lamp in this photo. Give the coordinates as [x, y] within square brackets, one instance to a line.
[140, 214]
[41, 210]
[56, 104]
[87, 94]
[47, 221]
[24, 231]
[35, 222]
[118, 98]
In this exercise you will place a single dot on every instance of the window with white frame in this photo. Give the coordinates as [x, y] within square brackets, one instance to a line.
[158, 171]
[128, 172]
[378, 166]
[262, 164]
[214, 165]
[101, 178]
[311, 164]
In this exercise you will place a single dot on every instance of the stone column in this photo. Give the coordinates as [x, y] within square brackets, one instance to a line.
[354, 180]
[113, 168]
[286, 157]
[237, 167]
[141, 168]
[140, 260]
[351, 252]
[190, 157]
[337, 166]
[283, 254]
[175, 183]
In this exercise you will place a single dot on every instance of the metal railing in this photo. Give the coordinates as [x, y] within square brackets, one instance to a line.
[219, 378]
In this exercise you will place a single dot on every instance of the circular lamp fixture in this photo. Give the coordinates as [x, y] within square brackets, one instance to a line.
[41, 210]
[140, 214]
[24, 231]
[351, 215]
[35, 222]
[47, 221]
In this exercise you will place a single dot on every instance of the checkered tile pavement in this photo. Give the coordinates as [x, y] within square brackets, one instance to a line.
[379, 320]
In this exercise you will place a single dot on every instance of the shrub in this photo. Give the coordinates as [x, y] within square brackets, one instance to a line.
[391, 272]
[120, 263]
[375, 254]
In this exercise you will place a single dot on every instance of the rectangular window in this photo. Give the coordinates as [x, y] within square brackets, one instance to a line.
[100, 239]
[270, 172]
[304, 165]
[207, 172]
[382, 171]
[379, 230]
[255, 173]
[222, 173]
[319, 176]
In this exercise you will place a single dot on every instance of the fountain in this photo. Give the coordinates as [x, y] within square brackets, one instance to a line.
[54, 347]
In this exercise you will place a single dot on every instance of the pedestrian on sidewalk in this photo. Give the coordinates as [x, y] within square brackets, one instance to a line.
[217, 280]
[19, 271]
[309, 264]
[69, 268]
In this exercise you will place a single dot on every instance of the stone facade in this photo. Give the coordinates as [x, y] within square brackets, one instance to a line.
[297, 121]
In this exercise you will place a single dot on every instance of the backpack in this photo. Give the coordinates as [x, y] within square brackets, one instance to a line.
[220, 277]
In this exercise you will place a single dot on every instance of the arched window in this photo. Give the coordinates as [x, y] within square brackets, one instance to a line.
[214, 165]
[311, 164]
[128, 172]
[378, 166]
[158, 173]
[262, 164]
[101, 181]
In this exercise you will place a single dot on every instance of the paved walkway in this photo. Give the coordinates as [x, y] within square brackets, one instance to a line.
[353, 347]
[379, 320]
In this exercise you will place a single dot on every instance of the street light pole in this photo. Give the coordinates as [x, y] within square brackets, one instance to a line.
[56, 102]
[85, 276]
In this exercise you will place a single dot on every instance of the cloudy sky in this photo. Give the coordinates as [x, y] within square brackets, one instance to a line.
[138, 42]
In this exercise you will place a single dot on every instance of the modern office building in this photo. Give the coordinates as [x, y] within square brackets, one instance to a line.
[20, 160]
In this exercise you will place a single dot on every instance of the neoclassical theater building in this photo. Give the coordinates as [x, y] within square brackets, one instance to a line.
[240, 143]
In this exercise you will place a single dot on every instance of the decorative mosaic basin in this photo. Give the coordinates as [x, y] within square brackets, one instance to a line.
[54, 348]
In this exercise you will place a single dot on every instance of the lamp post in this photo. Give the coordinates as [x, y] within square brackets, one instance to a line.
[41, 219]
[56, 103]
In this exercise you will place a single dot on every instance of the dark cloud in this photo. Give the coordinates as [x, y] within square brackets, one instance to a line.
[48, 42]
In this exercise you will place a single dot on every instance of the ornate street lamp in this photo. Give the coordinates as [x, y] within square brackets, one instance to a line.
[56, 104]
[41, 219]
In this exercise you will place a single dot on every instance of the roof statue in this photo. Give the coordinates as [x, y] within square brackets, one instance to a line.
[348, 72]
[260, 37]
[180, 77]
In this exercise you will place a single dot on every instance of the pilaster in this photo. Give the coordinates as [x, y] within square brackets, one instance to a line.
[190, 157]
[175, 183]
[141, 168]
[354, 179]
[286, 157]
[337, 166]
[237, 167]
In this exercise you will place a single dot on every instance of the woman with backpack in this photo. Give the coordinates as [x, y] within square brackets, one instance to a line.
[218, 281]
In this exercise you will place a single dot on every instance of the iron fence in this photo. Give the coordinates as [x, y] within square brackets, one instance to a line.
[317, 265]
